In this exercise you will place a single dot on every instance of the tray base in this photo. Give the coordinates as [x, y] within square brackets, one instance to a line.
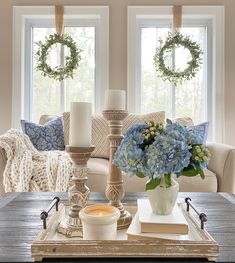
[69, 231]
[51, 244]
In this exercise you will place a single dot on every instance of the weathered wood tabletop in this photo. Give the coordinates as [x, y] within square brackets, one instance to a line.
[20, 223]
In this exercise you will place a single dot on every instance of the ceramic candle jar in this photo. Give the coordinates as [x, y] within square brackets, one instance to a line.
[99, 222]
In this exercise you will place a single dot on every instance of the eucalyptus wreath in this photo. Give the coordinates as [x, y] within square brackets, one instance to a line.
[71, 62]
[175, 75]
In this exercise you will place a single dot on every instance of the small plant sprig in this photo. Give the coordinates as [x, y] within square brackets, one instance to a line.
[151, 131]
[200, 153]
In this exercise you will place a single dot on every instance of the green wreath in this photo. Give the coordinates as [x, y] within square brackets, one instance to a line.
[175, 75]
[71, 62]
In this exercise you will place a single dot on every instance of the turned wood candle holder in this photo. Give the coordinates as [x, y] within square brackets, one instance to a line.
[114, 189]
[78, 193]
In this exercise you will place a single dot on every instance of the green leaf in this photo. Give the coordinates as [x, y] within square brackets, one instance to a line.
[200, 171]
[168, 121]
[167, 178]
[189, 171]
[140, 175]
[152, 183]
[193, 171]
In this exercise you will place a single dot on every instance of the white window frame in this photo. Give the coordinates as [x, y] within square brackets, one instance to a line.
[215, 95]
[24, 17]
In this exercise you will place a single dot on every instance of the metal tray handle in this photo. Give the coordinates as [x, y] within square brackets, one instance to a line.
[45, 213]
[202, 216]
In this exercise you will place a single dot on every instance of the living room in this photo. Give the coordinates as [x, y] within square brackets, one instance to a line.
[113, 97]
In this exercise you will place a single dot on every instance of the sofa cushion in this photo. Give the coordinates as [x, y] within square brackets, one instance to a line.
[47, 137]
[3, 161]
[186, 121]
[98, 172]
[131, 119]
[186, 184]
[223, 163]
[100, 129]
[201, 129]
[197, 184]
[46, 118]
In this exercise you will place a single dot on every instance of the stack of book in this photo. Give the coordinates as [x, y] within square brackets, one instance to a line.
[146, 225]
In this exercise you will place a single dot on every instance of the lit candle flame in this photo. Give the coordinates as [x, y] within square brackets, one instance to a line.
[100, 213]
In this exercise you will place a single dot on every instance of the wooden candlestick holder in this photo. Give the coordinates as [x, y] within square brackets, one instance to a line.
[114, 189]
[78, 193]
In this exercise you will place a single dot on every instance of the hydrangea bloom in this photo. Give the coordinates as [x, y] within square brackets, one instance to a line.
[181, 133]
[167, 155]
[153, 151]
[129, 155]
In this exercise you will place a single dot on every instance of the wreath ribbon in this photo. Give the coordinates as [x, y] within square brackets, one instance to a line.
[59, 19]
[177, 18]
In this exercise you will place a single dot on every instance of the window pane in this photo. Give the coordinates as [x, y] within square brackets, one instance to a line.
[154, 91]
[45, 91]
[190, 96]
[82, 86]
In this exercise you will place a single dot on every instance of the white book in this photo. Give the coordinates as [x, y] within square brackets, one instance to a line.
[174, 223]
[134, 233]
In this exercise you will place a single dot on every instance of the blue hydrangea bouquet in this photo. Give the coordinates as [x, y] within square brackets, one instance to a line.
[158, 152]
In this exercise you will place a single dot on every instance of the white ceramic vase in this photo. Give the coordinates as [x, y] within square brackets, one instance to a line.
[162, 199]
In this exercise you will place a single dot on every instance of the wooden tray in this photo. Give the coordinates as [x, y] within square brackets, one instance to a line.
[197, 244]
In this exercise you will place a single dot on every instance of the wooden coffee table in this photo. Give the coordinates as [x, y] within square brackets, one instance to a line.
[20, 222]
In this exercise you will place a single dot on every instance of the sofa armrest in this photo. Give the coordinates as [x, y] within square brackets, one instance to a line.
[222, 163]
[3, 161]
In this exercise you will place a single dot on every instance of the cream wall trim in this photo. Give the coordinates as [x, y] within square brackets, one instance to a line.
[216, 15]
[21, 14]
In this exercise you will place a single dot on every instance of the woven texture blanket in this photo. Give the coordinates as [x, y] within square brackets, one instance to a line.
[28, 169]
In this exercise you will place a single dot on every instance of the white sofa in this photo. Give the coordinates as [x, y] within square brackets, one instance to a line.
[220, 175]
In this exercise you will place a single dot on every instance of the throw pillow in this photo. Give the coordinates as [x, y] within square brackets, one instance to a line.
[45, 137]
[100, 129]
[201, 129]
[66, 121]
[131, 119]
[186, 121]
[46, 118]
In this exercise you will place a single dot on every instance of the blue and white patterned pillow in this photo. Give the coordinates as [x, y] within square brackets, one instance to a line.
[47, 137]
[201, 129]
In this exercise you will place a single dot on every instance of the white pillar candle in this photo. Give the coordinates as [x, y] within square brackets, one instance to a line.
[99, 222]
[115, 100]
[80, 124]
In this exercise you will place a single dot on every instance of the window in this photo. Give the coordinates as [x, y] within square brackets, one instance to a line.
[39, 95]
[155, 94]
[197, 98]
[54, 97]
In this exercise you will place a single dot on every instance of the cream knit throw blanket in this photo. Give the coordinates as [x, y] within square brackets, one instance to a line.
[28, 169]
